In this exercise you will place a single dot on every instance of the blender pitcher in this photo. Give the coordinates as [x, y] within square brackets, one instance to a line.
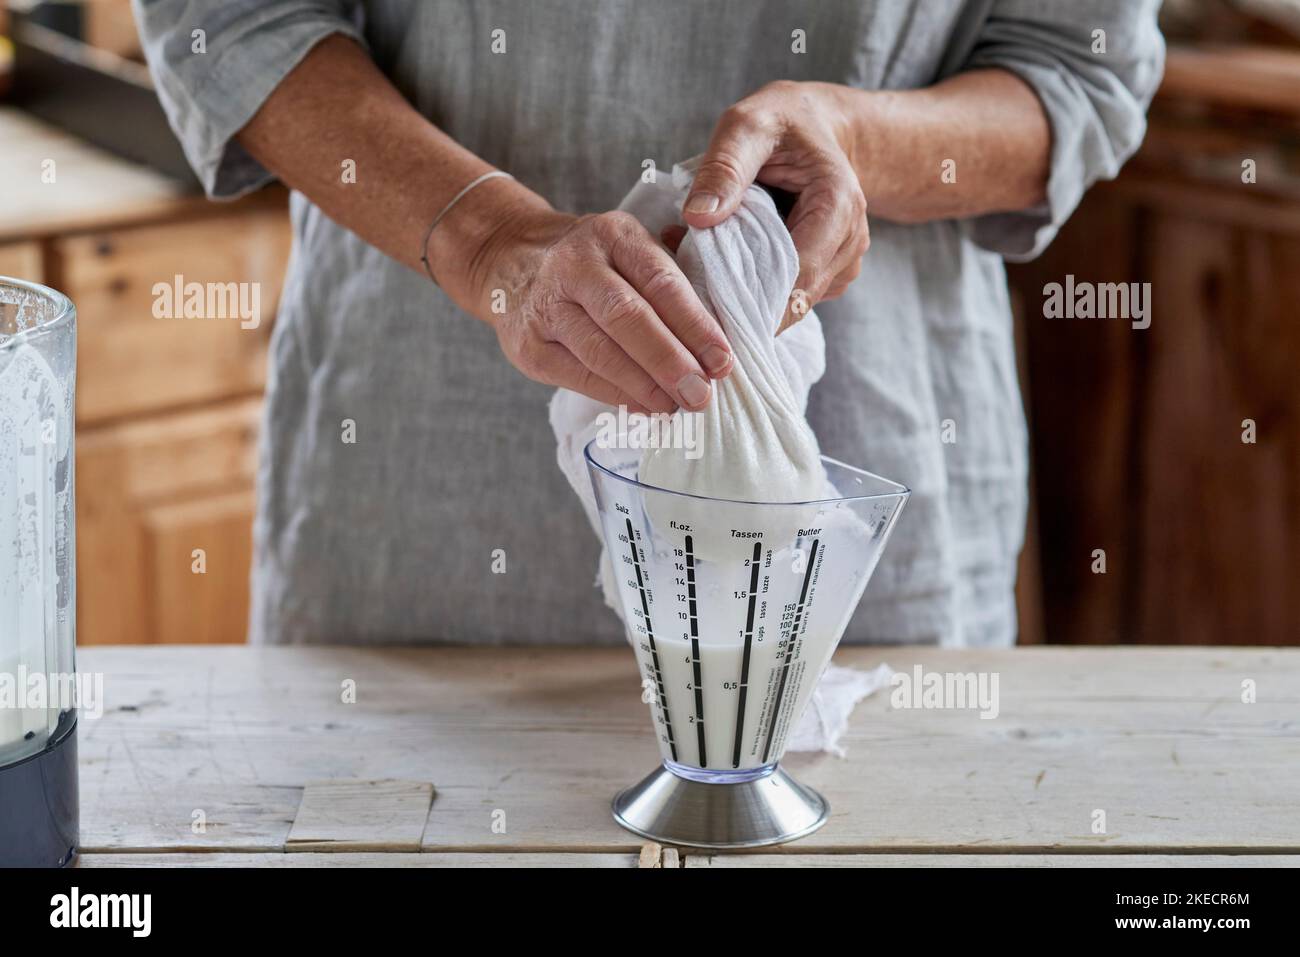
[734, 610]
[38, 716]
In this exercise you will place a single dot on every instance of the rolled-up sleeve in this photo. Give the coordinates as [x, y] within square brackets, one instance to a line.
[212, 82]
[1095, 98]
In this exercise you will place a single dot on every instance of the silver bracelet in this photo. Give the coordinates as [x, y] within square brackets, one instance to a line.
[424, 250]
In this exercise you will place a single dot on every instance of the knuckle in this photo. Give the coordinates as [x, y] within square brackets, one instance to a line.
[660, 279]
[629, 244]
[723, 167]
[542, 313]
[619, 309]
[614, 225]
[782, 86]
[743, 112]
[858, 203]
[582, 229]
[601, 355]
[527, 358]
[754, 113]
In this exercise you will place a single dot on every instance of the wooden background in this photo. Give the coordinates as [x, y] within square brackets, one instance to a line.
[1137, 434]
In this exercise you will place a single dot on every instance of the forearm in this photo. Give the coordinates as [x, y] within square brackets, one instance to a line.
[336, 106]
[988, 123]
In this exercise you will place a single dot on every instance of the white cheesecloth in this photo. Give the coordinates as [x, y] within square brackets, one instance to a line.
[754, 442]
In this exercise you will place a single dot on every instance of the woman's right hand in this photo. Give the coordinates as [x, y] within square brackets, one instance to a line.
[596, 305]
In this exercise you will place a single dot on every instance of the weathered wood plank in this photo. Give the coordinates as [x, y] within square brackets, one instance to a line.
[347, 859]
[526, 748]
[691, 859]
[450, 859]
[361, 816]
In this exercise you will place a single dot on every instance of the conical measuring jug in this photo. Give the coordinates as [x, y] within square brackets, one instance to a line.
[734, 608]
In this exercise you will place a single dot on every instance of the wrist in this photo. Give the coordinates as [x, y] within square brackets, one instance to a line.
[509, 256]
[468, 249]
[841, 107]
[875, 141]
[859, 121]
[862, 116]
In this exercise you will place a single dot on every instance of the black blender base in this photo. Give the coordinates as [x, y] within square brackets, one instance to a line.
[38, 807]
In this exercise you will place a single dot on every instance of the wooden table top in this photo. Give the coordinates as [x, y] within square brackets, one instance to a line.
[225, 755]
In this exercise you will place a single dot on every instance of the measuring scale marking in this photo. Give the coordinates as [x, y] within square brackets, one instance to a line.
[695, 649]
[749, 638]
[789, 650]
[650, 635]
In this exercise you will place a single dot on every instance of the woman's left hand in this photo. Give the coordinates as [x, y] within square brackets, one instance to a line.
[795, 137]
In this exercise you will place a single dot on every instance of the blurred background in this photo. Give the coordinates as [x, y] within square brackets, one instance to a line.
[1169, 456]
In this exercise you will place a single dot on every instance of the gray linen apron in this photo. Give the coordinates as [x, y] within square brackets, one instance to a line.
[402, 535]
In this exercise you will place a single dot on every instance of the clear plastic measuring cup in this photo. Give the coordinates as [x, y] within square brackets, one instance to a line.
[734, 608]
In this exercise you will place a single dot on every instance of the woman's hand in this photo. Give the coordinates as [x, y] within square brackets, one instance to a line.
[596, 305]
[796, 137]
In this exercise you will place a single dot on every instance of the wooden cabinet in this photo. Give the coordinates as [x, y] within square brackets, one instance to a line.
[164, 521]
[1175, 449]
[168, 407]
[133, 362]
[167, 422]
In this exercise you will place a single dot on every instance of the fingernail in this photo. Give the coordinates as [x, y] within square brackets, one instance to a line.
[716, 359]
[693, 389]
[702, 203]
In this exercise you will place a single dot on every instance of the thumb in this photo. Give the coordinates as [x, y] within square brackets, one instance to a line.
[736, 153]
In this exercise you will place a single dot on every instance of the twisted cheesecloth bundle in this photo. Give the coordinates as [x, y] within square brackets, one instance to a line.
[755, 445]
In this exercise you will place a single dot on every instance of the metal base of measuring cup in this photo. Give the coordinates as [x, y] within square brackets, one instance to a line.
[672, 810]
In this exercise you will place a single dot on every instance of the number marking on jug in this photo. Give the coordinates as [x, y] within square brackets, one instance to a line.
[695, 650]
[744, 662]
[789, 649]
[650, 634]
